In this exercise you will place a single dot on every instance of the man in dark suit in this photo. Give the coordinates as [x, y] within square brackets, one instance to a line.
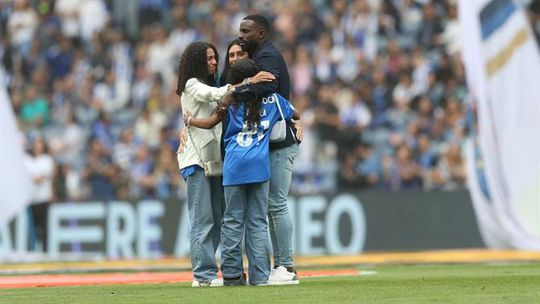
[253, 32]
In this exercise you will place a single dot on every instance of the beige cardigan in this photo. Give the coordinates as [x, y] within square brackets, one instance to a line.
[200, 100]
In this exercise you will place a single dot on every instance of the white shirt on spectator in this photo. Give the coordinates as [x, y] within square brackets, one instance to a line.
[403, 94]
[420, 76]
[355, 114]
[41, 169]
[148, 126]
[68, 10]
[22, 25]
[161, 59]
[181, 38]
[112, 97]
[452, 36]
[94, 17]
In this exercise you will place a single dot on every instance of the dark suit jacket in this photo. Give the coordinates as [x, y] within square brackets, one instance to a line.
[269, 59]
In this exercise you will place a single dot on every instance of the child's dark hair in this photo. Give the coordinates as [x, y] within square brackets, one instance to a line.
[239, 71]
[193, 64]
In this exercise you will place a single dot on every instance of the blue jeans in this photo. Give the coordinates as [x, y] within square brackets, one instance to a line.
[205, 205]
[246, 207]
[281, 227]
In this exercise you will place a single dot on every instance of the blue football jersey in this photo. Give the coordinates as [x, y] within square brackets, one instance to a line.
[247, 155]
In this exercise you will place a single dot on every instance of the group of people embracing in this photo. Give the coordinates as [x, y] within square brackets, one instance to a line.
[237, 179]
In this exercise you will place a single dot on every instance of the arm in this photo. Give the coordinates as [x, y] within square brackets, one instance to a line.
[266, 62]
[203, 123]
[262, 76]
[206, 93]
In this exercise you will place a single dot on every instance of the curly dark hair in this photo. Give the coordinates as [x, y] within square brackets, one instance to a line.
[227, 65]
[193, 64]
[239, 71]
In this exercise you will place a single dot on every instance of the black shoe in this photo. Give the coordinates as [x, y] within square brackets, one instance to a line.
[238, 281]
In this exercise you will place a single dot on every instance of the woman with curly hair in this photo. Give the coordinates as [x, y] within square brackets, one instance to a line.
[246, 175]
[196, 77]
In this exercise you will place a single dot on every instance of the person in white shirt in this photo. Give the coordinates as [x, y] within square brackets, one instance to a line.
[21, 26]
[42, 169]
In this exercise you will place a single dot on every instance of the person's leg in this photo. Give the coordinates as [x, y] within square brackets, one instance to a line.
[257, 233]
[45, 215]
[232, 232]
[201, 222]
[32, 230]
[281, 228]
[218, 207]
[39, 219]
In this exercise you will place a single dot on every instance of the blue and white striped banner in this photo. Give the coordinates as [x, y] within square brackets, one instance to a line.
[502, 64]
[15, 181]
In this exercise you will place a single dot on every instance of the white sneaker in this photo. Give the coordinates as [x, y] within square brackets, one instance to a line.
[280, 276]
[214, 283]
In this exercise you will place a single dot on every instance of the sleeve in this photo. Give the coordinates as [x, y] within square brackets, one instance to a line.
[286, 107]
[266, 62]
[203, 92]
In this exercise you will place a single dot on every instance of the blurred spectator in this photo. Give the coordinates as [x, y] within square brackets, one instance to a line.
[68, 145]
[93, 16]
[22, 25]
[99, 173]
[326, 114]
[430, 27]
[153, 11]
[405, 172]
[35, 109]
[41, 166]
[161, 56]
[450, 171]
[112, 93]
[124, 149]
[102, 131]
[60, 58]
[67, 184]
[148, 126]
[165, 173]
[141, 173]
[301, 72]
[369, 168]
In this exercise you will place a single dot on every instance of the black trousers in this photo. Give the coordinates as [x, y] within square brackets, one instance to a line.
[40, 212]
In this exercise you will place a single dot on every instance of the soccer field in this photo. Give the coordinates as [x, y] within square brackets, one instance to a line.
[459, 283]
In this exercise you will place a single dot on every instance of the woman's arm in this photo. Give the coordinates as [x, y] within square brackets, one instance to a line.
[205, 93]
[203, 123]
[262, 76]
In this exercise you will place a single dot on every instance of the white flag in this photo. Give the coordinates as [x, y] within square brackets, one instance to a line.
[502, 64]
[15, 181]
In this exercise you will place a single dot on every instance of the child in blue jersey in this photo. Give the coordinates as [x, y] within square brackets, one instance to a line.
[246, 172]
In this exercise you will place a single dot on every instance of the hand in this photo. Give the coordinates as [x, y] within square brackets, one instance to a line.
[262, 76]
[221, 109]
[299, 131]
[187, 118]
[183, 139]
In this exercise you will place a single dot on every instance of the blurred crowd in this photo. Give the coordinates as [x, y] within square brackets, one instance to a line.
[379, 83]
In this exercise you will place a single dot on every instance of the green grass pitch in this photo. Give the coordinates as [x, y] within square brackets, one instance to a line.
[463, 283]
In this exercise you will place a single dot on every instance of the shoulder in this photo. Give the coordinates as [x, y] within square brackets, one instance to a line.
[280, 98]
[267, 49]
[192, 81]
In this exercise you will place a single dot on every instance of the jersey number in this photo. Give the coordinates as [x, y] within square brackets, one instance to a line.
[245, 138]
